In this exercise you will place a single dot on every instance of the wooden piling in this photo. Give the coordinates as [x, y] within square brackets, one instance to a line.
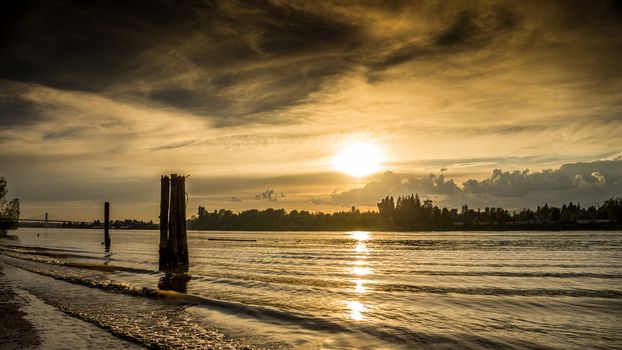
[173, 223]
[173, 238]
[107, 225]
[182, 241]
[164, 206]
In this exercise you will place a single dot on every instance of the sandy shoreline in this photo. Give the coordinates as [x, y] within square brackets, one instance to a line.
[48, 313]
[15, 331]
[29, 323]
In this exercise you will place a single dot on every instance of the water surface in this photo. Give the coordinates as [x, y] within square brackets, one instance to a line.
[344, 290]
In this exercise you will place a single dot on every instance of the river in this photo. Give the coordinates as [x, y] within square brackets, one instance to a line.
[334, 290]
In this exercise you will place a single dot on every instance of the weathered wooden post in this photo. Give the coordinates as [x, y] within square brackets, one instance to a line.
[107, 225]
[164, 205]
[182, 240]
[173, 238]
[173, 222]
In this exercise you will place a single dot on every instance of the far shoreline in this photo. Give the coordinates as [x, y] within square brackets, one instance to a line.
[482, 228]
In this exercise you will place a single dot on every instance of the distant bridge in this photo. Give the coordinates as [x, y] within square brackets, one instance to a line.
[51, 221]
[47, 220]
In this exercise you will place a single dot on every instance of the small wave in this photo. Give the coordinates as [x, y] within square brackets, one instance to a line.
[517, 274]
[534, 265]
[43, 249]
[51, 253]
[543, 292]
[480, 244]
[145, 321]
[397, 335]
[50, 260]
[239, 309]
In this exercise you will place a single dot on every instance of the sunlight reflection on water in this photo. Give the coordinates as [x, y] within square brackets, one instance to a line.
[356, 307]
[361, 248]
[356, 310]
[360, 271]
[360, 286]
[359, 235]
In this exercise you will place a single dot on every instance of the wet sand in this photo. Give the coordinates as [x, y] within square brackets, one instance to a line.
[29, 323]
[56, 314]
[15, 331]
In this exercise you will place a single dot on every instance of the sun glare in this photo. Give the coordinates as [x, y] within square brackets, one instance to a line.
[359, 159]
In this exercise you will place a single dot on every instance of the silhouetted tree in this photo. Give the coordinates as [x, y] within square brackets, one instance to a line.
[9, 210]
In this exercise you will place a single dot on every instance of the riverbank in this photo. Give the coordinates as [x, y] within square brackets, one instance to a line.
[15, 331]
[29, 323]
[494, 227]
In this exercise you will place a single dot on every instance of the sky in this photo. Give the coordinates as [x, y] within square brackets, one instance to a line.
[485, 103]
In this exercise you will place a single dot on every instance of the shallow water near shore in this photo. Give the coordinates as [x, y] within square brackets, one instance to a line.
[335, 290]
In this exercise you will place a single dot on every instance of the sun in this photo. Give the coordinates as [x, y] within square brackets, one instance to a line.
[359, 159]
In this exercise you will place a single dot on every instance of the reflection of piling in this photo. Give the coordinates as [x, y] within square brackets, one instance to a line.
[46, 219]
[107, 225]
[173, 239]
[175, 278]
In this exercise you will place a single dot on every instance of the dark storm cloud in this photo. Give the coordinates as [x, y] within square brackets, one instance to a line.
[15, 110]
[475, 28]
[144, 50]
[235, 61]
[470, 29]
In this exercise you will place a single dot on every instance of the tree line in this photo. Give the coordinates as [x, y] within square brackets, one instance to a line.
[9, 209]
[404, 213]
[410, 213]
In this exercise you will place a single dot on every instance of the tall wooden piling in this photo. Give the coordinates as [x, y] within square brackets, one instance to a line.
[182, 241]
[107, 225]
[164, 206]
[173, 238]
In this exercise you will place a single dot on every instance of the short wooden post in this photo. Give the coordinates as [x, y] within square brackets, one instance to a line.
[107, 225]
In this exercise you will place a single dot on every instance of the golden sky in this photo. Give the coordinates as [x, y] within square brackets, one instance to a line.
[255, 101]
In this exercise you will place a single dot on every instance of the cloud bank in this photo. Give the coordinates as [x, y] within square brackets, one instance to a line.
[587, 182]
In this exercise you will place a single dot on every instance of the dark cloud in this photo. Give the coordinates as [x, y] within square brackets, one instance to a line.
[477, 28]
[586, 181]
[268, 195]
[235, 199]
[15, 110]
[62, 133]
[236, 61]
[186, 55]
[471, 29]
[173, 145]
